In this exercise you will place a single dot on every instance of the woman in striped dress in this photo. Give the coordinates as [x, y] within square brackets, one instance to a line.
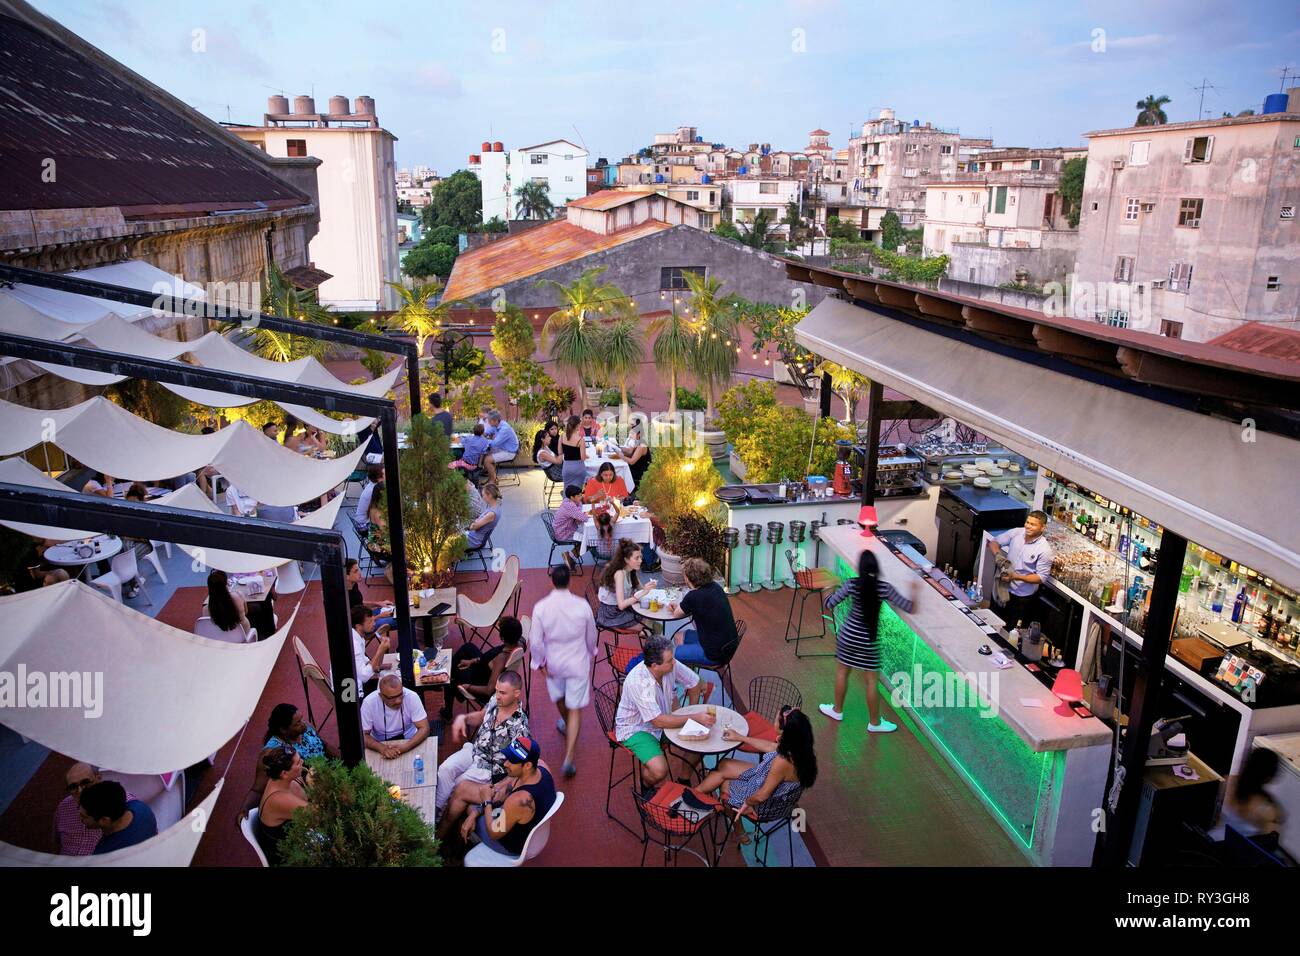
[856, 647]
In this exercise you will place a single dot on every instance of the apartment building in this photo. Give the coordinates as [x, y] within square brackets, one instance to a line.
[558, 164]
[357, 241]
[892, 160]
[750, 195]
[1197, 222]
[1002, 220]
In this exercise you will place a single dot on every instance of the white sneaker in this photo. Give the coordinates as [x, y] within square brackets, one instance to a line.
[884, 727]
[830, 711]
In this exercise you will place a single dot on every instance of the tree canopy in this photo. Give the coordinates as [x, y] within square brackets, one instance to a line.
[457, 202]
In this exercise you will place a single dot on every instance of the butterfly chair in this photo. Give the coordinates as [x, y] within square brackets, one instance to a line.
[606, 698]
[533, 845]
[206, 627]
[248, 827]
[312, 676]
[478, 621]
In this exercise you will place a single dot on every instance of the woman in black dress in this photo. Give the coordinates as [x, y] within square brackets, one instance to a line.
[856, 646]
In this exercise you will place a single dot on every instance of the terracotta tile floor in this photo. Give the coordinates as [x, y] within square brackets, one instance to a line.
[888, 801]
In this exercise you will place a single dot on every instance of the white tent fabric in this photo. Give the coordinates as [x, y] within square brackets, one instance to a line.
[110, 439]
[1191, 473]
[74, 308]
[175, 846]
[20, 472]
[115, 334]
[152, 697]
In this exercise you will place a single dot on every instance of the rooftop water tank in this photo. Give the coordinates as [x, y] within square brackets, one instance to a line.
[886, 113]
[915, 123]
[699, 139]
[278, 105]
[706, 179]
[743, 170]
[304, 104]
[339, 106]
[487, 146]
[365, 106]
[659, 178]
[498, 147]
[1275, 103]
[473, 159]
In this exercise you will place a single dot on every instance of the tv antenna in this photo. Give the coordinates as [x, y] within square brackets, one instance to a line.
[1287, 73]
[1205, 85]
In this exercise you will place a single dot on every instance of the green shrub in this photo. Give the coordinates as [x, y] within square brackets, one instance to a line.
[690, 401]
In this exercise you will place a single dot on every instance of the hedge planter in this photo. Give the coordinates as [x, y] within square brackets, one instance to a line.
[716, 440]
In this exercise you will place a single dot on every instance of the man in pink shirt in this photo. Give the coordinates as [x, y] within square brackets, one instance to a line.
[74, 838]
[562, 645]
[569, 522]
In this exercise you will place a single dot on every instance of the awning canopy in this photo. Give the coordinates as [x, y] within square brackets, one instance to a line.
[20, 472]
[175, 846]
[108, 438]
[1226, 487]
[120, 689]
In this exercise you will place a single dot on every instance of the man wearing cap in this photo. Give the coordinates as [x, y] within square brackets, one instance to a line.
[1030, 558]
[467, 776]
[518, 803]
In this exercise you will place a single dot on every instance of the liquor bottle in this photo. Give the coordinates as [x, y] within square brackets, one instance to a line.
[1216, 600]
[1239, 605]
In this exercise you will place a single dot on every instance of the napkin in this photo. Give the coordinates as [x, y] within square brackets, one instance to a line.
[692, 730]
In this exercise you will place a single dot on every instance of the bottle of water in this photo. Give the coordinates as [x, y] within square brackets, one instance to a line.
[419, 771]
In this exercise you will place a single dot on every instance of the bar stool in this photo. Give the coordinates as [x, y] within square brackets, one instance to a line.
[730, 537]
[809, 583]
[798, 533]
[814, 532]
[775, 535]
[753, 535]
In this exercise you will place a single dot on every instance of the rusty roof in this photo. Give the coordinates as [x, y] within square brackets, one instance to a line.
[1257, 338]
[110, 143]
[610, 198]
[534, 251]
[1261, 376]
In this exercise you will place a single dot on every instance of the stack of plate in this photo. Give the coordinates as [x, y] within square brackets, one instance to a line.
[971, 471]
[952, 476]
[1003, 462]
[993, 471]
[1013, 468]
[983, 482]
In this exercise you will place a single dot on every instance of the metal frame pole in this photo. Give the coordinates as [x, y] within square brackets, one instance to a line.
[875, 399]
[397, 548]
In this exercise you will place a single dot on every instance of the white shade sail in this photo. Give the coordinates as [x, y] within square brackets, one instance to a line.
[190, 498]
[174, 846]
[114, 334]
[1202, 477]
[108, 438]
[134, 694]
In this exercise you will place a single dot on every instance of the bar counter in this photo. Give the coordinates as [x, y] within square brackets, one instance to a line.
[1041, 774]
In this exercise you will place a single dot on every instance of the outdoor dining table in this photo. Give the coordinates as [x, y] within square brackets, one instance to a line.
[103, 546]
[120, 490]
[660, 619]
[637, 529]
[258, 591]
[429, 599]
[593, 459]
[400, 772]
[713, 744]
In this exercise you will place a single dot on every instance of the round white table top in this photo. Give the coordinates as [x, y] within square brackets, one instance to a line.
[66, 553]
[712, 744]
[663, 614]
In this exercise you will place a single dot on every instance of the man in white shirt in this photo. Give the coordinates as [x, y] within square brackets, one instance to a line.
[563, 645]
[1031, 562]
[374, 475]
[363, 627]
[393, 719]
[645, 709]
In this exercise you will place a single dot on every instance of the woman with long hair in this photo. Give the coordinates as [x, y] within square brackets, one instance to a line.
[856, 646]
[620, 589]
[226, 609]
[572, 447]
[787, 768]
[636, 452]
[1249, 808]
[546, 450]
[605, 485]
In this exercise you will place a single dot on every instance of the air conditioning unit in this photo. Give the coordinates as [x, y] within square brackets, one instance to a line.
[1117, 163]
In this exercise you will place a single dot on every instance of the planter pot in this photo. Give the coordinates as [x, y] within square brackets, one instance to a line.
[438, 628]
[812, 404]
[592, 396]
[738, 468]
[716, 441]
[670, 568]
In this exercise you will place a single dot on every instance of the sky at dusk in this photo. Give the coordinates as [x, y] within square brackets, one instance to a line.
[447, 75]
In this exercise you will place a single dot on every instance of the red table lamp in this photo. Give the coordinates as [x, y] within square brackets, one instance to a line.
[867, 518]
[1069, 688]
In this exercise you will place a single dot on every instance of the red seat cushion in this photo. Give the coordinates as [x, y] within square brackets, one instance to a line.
[620, 656]
[759, 727]
[663, 799]
[815, 579]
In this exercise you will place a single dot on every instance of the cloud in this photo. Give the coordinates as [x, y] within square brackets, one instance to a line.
[436, 79]
[228, 52]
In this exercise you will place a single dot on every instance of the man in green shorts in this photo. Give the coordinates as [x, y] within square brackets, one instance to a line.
[646, 705]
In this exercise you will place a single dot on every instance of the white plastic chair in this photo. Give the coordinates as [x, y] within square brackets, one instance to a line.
[124, 569]
[288, 578]
[533, 846]
[166, 802]
[205, 627]
[152, 558]
[248, 827]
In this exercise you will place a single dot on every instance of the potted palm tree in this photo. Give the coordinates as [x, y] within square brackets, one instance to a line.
[714, 356]
[621, 352]
[674, 341]
[572, 333]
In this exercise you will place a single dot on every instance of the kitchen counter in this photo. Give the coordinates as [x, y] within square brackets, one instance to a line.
[1040, 773]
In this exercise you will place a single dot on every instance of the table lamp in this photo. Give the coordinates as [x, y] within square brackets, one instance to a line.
[1069, 688]
[867, 518]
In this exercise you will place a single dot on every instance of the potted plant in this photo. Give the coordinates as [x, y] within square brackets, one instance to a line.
[680, 481]
[572, 334]
[352, 819]
[692, 535]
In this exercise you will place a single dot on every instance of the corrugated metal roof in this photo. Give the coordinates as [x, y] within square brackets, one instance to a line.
[610, 198]
[1256, 338]
[111, 144]
[534, 251]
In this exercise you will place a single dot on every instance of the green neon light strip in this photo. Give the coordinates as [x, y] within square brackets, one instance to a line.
[1002, 769]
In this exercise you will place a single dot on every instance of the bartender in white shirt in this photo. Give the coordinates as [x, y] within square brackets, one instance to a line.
[393, 719]
[1031, 562]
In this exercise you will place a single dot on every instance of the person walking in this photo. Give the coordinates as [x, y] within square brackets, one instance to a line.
[856, 645]
[563, 646]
